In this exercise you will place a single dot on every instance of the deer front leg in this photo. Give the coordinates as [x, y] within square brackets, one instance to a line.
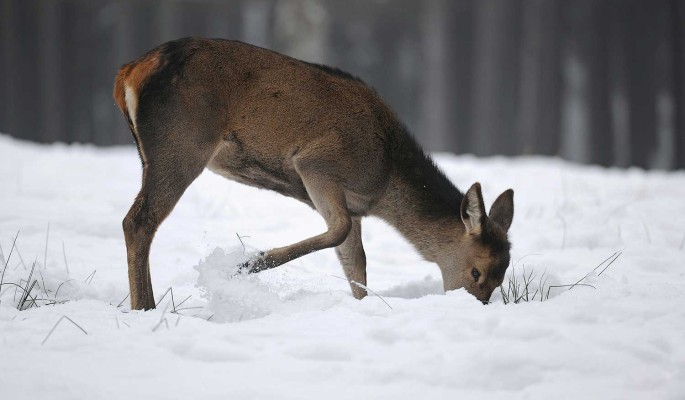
[329, 200]
[353, 259]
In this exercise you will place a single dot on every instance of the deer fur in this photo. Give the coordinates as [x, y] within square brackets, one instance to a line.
[306, 131]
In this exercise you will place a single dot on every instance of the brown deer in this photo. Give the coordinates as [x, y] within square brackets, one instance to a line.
[306, 131]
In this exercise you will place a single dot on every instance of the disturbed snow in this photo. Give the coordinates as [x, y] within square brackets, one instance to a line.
[296, 332]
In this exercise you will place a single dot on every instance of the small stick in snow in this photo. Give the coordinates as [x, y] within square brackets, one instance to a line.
[57, 323]
[682, 243]
[364, 287]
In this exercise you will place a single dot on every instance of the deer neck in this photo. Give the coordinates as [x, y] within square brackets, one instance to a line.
[425, 215]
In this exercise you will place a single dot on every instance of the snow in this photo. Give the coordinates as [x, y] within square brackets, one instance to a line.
[296, 332]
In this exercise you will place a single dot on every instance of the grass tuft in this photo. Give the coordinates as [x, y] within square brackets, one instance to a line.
[517, 289]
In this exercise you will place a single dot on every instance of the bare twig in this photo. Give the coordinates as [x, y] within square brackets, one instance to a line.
[57, 323]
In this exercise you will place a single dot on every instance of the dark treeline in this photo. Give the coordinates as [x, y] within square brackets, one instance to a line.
[595, 81]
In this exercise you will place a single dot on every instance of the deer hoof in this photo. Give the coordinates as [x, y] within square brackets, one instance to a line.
[254, 265]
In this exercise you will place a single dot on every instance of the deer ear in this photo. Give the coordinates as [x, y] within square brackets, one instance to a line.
[473, 210]
[502, 211]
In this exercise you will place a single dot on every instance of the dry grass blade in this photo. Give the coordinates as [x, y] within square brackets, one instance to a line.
[608, 265]
[122, 301]
[568, 286]
[45, 288]
[60, 285]
[27, 290]
[22, 288]
[14, 243]
[89, 278]
[45, 254]
[170, 290]
[184, 300]
[64, 253]
[365, 287]
[21, 259]
[63, 317]
[162, 318]
[240, 239]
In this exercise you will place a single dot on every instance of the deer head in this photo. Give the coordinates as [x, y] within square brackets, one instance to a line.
[481, 255]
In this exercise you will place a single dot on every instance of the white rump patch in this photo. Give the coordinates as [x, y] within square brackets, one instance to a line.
[131, 105]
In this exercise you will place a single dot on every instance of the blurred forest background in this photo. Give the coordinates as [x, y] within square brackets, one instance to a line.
[594, 81]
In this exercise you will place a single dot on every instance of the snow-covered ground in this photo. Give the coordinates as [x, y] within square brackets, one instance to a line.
[296, 332]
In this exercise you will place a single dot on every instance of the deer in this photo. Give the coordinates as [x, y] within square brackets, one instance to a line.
[307, 131]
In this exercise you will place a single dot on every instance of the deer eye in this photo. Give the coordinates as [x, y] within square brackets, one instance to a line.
[475, 274]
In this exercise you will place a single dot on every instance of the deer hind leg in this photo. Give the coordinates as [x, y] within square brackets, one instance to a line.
[353, 259]
[167, 173]
[328, 198]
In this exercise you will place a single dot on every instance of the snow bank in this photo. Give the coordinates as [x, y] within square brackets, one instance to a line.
[296, 332]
